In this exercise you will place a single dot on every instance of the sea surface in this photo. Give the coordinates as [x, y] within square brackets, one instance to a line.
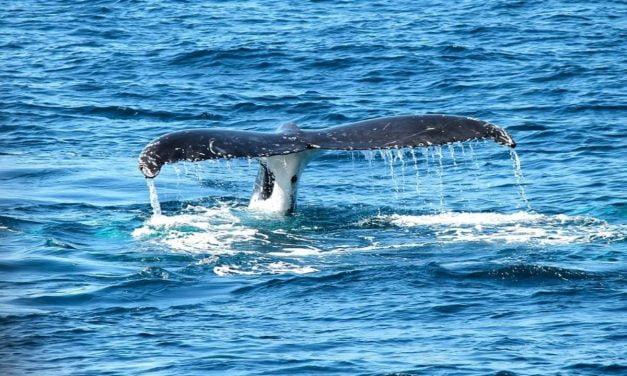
[466, 259]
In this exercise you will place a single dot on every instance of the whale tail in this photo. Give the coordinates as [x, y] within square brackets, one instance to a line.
[281, 154]
[382, 133]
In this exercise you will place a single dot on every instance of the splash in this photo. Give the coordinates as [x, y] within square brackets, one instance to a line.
[154, 199]
[224, 242]
[201, 230]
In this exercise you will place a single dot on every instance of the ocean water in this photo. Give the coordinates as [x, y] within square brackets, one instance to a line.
[440, 261]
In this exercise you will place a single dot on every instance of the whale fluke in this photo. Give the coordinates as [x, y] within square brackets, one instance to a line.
[202, 144]
[407, 131]
[381, 133]
[283, 155]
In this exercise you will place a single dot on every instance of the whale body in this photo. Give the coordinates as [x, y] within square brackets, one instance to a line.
[283, 155]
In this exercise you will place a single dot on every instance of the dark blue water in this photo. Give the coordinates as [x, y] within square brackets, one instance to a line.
[440, 261]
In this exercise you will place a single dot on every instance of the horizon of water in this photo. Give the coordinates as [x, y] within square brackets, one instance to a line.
[468, 258]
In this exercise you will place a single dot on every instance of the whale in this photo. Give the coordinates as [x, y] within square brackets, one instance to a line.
[283, 155]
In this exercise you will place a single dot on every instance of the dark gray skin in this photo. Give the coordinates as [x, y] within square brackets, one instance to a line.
[382, 133]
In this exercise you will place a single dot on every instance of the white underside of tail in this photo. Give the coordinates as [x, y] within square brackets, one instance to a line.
[284, 168]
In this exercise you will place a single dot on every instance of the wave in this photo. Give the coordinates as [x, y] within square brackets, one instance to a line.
[137, 286]
[217, 56]
[573, 281]
[118, 112]
[531, 272]
[556, 73]
[342, 278]
[596, 368]
[528, 126]
[334, 63]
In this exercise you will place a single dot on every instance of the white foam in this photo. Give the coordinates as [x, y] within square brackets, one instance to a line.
[298, 252]
[225, 270]
[520, 227]
[219, 231]
[207, 260]
[200, 229]
[457, 219]
[279, 267]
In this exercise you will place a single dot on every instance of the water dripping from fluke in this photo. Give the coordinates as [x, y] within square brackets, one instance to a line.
[519, 177]
[440, 173]
[154, 199]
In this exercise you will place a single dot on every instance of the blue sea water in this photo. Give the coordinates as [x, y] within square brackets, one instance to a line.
[438, 261]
